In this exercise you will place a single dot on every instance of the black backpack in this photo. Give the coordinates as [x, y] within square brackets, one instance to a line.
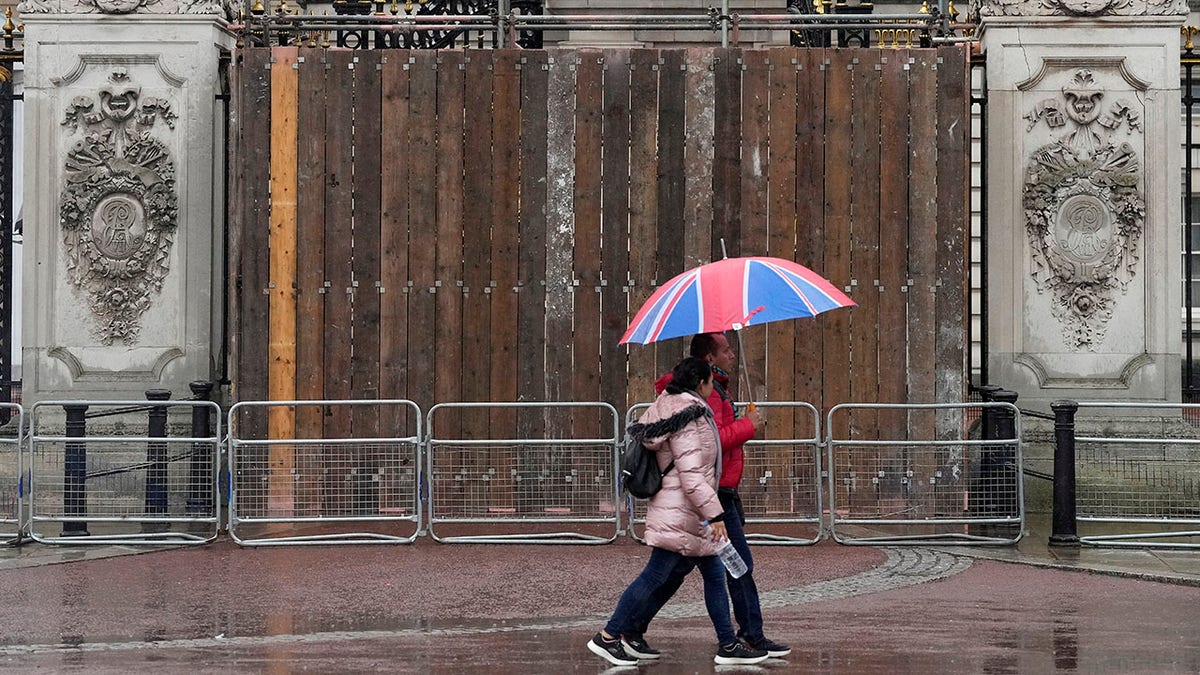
[639, 469]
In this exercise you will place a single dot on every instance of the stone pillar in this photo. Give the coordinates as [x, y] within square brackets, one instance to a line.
[1083, 205]
[123, 196]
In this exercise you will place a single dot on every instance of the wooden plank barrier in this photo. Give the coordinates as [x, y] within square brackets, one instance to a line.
[481, 225]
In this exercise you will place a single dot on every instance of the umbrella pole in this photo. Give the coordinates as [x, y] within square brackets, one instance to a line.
[747, 395]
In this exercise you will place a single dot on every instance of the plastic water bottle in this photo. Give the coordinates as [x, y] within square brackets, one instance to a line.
[728, 555]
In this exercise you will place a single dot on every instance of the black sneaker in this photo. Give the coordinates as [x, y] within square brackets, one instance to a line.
[636, 646]
[612, 652]
[738, 653]
[772, 648]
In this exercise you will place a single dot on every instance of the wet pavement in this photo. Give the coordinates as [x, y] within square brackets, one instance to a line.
[495, 609]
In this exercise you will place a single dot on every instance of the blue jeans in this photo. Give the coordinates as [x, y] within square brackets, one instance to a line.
[742, 591]
[645, 592]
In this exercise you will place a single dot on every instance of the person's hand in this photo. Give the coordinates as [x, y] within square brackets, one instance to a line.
[719, 533]
[756, 418]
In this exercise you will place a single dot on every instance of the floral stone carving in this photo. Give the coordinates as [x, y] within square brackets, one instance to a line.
[1084, 211]
[119, 207]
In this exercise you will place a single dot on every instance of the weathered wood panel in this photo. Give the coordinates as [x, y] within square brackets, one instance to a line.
[893, 219]
[810, 214]
[394, 240]
[543, 196]
[589, 110]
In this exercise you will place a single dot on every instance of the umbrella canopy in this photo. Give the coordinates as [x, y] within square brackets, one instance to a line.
[733, 293]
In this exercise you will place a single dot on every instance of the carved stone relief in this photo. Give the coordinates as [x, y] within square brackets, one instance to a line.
[1081, 7]
[1084, 210]
[222, 8]
[119, 205]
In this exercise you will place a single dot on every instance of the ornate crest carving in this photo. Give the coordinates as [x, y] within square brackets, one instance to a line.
[119, 207]
[1084, 211]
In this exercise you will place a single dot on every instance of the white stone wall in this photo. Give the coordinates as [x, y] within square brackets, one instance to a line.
[71, 62]
[1120, 273]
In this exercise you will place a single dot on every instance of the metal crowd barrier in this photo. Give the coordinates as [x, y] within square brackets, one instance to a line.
[935, 486]
[299, 477]
[781, 479]
[1147, 482]
[121, 487]
[483, 473]
[12, 479]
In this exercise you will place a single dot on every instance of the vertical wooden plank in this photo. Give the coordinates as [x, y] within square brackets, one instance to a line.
[422, 227]
[560, 227]
[810, 215]
[671, 95]
[781, 241]
[726, 172]
[756, 135]
[395, 124]
[727, 138]
[448, 332]
[698, 157]
[364, 377]
[589, 82]
[893, 258]
[477, 224]
[614, 262]
[922, 229]
[506, 146]
[310, 277]
[864, 250]
[839, 111]
[338, 274]
[252, 272]
[234, 211]
[953, 196]
[281, 369]
[365, 277]
[531, 272]
[643, 207]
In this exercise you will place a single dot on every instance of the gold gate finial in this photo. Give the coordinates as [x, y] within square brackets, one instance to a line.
[1188, 32]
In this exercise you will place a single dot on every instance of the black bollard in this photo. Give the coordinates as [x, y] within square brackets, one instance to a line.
[200, 484]
[1063, 531]
[75, 472]
[156, 459]
[1006, 455]
[984, 498]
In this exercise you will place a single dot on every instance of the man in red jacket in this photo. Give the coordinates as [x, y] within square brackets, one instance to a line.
[733, 432]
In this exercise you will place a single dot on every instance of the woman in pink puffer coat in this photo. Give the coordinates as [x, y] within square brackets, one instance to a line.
[684, 519]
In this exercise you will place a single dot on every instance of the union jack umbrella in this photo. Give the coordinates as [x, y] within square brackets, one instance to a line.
[733, 293]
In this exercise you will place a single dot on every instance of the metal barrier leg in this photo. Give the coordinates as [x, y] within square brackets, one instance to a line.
[200, 494]
[156, 460]
[1064, 532]
[75, 472]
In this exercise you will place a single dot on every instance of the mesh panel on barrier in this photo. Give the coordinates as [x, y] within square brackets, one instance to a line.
[1121, 480]
[348, 479]
[10, 484]
[921, 480]
[522, 482]
[123, 472]
[122, 482]
[325, 472]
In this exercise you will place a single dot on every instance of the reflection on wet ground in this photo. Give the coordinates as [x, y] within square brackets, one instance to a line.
[504, 610]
